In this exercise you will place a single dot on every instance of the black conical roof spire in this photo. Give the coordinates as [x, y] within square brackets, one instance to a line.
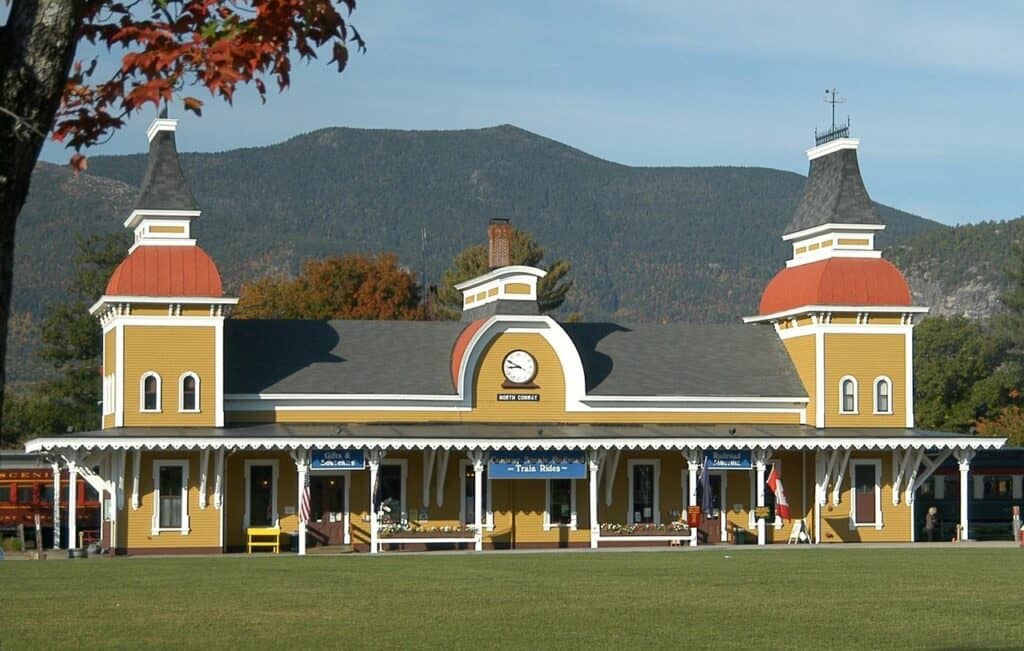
[834, 194]
[164, 186]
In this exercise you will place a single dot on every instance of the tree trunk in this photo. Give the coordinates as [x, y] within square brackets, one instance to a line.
[37, 46]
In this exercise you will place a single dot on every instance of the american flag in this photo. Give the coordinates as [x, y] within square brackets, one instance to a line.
[304, 502]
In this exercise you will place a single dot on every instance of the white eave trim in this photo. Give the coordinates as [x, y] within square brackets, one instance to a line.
[501, 272]
[142, 213]
[185, 300]
[822, 228]
[806, 309]
[47, 444]
[832, 147]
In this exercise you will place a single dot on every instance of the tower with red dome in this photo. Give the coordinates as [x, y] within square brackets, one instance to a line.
[163, 309]
[844, 313]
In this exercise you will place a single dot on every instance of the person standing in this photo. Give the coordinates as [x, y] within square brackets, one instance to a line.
[931, 521]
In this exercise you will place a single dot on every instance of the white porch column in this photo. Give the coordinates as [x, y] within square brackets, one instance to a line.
[593, 465]
[693, 463]
[373, 458]
[963, 458]
[477, 457]
[55, 466]
[72, 504]
[301, 458]
[760, 465]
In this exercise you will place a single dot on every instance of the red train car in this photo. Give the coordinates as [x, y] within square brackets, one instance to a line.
[26, 488]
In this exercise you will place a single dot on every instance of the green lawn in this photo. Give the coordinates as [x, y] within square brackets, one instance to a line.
[807, 599]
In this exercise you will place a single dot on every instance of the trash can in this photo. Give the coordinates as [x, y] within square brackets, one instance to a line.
[293, 544]
[739, 536]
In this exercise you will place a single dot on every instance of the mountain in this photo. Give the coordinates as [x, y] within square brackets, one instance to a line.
[960, 270]
[646, 244]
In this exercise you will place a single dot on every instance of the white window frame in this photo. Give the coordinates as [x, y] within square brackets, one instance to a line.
[777, 523]
[874, 393]
[404, 464]
[184, 529]
[657, 488]
[464, 466]
[275, 478]
[548, 524]
[159, 393]
[877, 463]
[856, 395]
[181, 393]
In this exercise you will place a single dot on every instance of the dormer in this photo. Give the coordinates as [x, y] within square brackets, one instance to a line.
[506, 288]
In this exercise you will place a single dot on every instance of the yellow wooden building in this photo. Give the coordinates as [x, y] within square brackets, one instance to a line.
[508, 429]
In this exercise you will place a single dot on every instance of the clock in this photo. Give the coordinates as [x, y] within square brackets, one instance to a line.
[519, 367]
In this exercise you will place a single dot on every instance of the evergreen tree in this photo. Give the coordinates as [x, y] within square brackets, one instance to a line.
[72, 345]
[473, 261]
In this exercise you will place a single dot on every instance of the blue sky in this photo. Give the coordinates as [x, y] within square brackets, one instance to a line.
[933, 88]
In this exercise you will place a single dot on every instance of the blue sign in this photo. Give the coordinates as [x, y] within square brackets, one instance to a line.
[537, 465]
[337, 460]
[728, 460]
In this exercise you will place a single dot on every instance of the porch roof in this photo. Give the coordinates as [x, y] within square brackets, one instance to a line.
[415, 436]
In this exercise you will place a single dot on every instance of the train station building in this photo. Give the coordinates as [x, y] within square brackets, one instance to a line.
[509, 429]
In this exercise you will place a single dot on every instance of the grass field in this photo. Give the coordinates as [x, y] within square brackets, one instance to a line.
[807, 599]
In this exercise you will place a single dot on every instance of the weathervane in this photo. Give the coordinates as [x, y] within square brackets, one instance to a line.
[833, 98]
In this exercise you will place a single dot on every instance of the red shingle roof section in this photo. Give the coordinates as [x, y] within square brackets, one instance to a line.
[166, 271]
[836, 281]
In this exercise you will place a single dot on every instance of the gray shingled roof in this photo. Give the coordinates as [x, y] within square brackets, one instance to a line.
[164, 186]
[683, 359]
[340, 357]
[834, 194]
[414, 358]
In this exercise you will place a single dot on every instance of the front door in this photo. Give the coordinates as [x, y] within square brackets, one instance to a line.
[261, 495]
[328, 510]
[711, 522]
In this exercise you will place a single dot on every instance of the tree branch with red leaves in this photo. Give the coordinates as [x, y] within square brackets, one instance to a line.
[180, 45]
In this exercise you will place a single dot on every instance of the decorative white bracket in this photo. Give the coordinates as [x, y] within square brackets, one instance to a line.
[911, 466]
[837, 485]
[442, 473]
[136, 463]
[204, 471]
[429, 460]
[218, 482]
[930, 466]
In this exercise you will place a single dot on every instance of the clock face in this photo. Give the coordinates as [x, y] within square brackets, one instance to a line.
[519, 367]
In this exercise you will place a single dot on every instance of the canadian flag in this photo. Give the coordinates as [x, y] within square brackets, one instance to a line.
[775, 484]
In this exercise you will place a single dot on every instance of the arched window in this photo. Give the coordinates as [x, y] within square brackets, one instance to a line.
[883, 395]
[189, 393]
[150, 391]
[848, 395]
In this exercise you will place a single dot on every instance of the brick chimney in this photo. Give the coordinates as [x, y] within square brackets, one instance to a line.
[499, 240]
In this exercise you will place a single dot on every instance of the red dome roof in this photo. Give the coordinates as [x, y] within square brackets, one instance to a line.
[836, 281]
[166, 271]
[461, 344]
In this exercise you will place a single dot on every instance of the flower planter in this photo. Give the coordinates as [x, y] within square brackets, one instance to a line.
[405, 535]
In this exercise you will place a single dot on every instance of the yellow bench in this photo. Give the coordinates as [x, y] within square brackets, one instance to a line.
[256, 534]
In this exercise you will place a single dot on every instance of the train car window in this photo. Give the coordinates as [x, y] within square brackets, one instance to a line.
[46, 493]
[5, 493]
[25, 494]
[997, 487]
[90, 494]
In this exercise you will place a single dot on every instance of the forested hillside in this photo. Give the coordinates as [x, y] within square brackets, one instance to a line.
[646, 244]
